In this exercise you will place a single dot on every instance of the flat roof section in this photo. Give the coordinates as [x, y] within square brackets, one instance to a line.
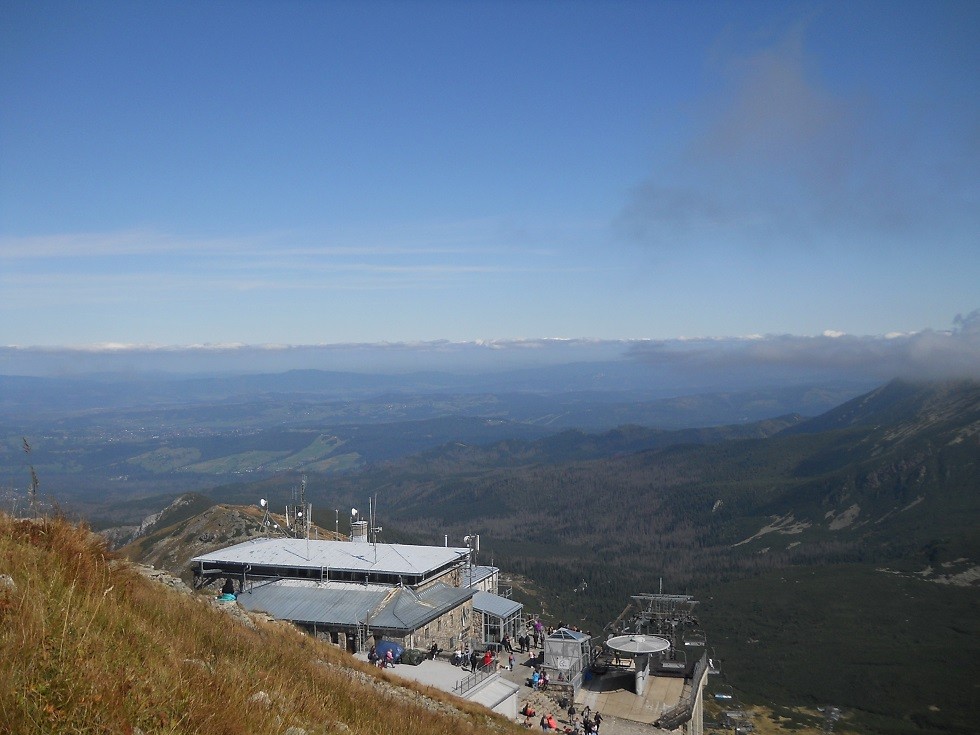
[340, 555]
[472, 576]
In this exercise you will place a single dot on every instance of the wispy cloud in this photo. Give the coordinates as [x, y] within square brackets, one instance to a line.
[777, 158]
[473, 238]
[125, 242]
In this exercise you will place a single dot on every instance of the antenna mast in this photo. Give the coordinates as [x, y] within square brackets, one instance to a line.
[372, 515]
[303, 517]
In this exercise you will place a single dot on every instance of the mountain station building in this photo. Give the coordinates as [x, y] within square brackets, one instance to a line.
[353, 592]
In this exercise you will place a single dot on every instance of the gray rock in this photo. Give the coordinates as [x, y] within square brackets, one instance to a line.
[262, 698]
[7, 583]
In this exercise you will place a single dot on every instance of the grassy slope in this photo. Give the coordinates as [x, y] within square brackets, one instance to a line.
[87, 645]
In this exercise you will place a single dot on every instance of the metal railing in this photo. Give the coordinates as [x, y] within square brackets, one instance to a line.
[683, 710]
[471, 680]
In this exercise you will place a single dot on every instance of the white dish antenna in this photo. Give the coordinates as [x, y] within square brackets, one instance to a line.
[263, 502]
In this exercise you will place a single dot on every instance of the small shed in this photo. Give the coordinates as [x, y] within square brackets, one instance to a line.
[567, 654]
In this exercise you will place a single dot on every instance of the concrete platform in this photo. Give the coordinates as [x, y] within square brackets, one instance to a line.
[439, 674]
[614, 695]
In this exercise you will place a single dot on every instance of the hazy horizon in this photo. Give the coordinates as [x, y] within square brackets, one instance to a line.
[832, 356]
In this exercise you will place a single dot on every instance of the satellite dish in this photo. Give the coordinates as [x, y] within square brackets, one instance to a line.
[299, 514]
[263, 502]
[353, 511]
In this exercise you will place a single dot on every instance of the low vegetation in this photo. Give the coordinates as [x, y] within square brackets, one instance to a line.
[895, 652]
[89, 645]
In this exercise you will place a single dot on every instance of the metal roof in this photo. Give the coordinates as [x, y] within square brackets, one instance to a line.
[390, 608]
[342, 555]
[312, 604]
[408, 610]
[472, 576]
[495, 605]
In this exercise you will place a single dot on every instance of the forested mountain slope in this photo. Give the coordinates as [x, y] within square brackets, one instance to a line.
[886, 476]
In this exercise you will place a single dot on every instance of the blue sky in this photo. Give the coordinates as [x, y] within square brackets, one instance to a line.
[320, 173]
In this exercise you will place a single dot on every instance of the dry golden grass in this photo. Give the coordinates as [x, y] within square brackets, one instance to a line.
[88, 645]
[766, 722]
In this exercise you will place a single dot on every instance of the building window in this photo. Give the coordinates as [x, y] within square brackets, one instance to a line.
[491, 629]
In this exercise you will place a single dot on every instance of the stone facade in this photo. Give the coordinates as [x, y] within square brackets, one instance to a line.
[447, 631]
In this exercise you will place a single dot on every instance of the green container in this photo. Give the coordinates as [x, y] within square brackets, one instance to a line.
[413, 657]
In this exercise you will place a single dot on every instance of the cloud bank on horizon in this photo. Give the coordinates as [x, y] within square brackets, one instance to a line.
[926, 355]
[711, 362]
[486, 174]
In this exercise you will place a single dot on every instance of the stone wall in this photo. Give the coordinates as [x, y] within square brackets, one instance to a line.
[447, 631]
